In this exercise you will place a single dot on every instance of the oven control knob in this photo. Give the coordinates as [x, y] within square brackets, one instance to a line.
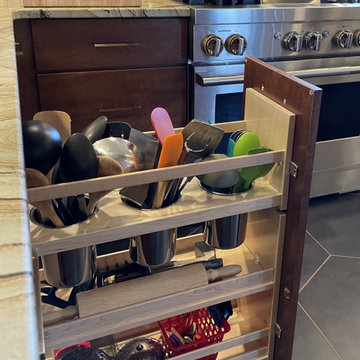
[357, 38]
[213, 45]
[312, 40]
[344, 38]
[236, 44]
[293, 41]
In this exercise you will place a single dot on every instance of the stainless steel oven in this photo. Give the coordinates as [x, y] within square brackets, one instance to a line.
[319, 43]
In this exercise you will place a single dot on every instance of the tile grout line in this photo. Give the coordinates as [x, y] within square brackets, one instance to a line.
[320, 331]
[347, 257]
[318, 242]
[315, 272]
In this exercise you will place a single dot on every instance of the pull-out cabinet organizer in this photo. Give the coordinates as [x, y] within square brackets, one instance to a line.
[255, 291]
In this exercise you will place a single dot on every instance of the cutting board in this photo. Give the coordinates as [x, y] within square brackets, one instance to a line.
[81, 3]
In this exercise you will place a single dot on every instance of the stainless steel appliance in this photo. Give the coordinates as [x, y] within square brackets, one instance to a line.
[317, 42]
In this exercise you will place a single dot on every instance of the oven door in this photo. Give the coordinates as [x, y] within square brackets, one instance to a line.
[218, 94]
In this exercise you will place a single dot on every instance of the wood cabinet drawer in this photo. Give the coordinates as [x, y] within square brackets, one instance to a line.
[108, 44]
[122, 95]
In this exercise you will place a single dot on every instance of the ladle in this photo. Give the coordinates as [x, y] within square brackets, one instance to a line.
[42, 145]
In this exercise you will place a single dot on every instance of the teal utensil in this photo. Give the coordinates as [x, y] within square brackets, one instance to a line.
[230, 148]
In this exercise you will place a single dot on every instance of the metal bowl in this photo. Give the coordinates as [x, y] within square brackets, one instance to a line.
[123, 151]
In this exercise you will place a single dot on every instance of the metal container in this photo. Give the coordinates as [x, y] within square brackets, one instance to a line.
[226, 233]
[67, 268]
[154, 249]
[70, 268]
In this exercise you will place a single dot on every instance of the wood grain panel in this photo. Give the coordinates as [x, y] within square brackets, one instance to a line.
[303, 99]
[108, 44]
[121, 95]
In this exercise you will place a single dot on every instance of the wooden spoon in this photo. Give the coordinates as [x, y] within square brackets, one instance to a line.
[59, 119]
[106, 167]
[35, 178]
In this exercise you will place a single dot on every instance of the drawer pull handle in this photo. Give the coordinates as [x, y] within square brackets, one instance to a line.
[108, 45]
[129, 108]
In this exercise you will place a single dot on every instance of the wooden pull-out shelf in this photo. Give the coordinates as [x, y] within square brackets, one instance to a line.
[252, 280]
[114, 220]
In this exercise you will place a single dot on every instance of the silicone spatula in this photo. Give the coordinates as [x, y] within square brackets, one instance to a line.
[161, 123]
[169, 156]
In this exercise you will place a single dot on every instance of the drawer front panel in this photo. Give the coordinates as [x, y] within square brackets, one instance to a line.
[121, 95]
[108, 44]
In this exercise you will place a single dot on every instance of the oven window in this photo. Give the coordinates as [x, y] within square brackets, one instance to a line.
[228, 107]
[339, 115]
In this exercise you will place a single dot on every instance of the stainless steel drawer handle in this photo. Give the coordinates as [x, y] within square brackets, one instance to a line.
[111, 45]
[128, 108]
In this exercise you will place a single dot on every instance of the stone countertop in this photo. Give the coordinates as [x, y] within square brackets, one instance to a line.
[149, 8]
[19, 332]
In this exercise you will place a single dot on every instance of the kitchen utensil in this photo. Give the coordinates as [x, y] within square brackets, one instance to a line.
[227, 232]
[123, 151]
[118, 129]
[205, 332]
[95, 130]
[220, 179]
[230, 148]
[169, 156]
[249, 174]
[106, 167]
[150, 287]
[78, 159]
[42, 145]
[145, 288]
[35, 178]
[150, 148]
[161, 123]
[247, 140]
[59, 119]
[200, 140]
[141, 349]
[153, 249]
[197, 134]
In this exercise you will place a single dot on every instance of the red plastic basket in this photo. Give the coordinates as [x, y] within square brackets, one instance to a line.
[205, 327]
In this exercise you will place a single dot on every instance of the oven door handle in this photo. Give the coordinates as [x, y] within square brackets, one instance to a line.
[323, 72]
[205, 80]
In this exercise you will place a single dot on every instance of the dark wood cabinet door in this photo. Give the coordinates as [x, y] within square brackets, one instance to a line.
[121, 95]
[89, 44]
[304, 100]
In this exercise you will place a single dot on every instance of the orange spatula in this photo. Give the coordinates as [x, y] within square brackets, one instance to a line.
[169, 156]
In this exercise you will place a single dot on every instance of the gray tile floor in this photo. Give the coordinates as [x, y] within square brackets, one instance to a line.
[328, 316]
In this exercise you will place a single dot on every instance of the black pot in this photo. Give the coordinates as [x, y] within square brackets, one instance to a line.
[141, 349]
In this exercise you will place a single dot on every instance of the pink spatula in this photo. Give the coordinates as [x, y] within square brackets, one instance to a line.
[161, 123]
